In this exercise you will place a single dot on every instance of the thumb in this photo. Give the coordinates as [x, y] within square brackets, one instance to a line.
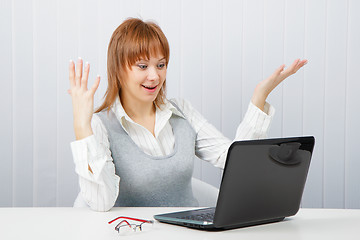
[96, 84]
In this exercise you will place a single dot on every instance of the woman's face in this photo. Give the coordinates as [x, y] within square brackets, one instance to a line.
[144, 80]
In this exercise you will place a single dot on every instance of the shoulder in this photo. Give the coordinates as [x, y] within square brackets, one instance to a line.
[97, 124]
[95, 120]
[104, 115]
[191, 114]
[184, 105]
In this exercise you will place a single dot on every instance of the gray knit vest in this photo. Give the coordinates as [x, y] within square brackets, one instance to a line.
[149, 181]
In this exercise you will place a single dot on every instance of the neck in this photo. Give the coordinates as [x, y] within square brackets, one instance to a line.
[137, 110]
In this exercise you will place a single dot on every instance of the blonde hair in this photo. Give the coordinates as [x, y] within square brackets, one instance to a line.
[133, 40]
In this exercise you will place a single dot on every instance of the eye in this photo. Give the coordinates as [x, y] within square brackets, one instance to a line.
[142, 66]
[161, 65]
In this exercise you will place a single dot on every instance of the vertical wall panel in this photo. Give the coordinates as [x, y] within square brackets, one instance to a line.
[274, 15]
[212, 73]
[252, 59]
[23, 102]
[132, 9]
[151, 10]
[88, 36]
[67, 48]
[352, 130]
[191, 58]
[231, 101]
[110, 16]
[171, 27]
[191, 88]
[293, 86]
[314, 82]
[45, 101]
[6, 105]
[334, 152]
[212, 62]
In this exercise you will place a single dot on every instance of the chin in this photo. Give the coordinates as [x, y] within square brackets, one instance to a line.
[148, 100]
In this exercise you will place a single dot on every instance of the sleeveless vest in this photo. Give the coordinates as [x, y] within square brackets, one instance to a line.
[150, 181]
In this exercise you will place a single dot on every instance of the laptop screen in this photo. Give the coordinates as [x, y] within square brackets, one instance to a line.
[264, 179]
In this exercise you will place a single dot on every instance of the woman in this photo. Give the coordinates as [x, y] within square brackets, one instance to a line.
[138, 148]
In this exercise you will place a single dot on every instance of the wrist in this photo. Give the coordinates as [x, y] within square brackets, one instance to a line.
[258, 101]
[259, 96]
[82, 131]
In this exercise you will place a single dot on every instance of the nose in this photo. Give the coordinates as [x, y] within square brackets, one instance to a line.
[153, 74]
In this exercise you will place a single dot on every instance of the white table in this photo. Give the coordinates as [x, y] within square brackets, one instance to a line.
[83, 223]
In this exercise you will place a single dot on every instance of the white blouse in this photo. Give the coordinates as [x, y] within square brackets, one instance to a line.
[100, 188]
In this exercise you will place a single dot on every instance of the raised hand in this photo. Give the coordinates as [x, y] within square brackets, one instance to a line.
[265, 87]
[82, 98]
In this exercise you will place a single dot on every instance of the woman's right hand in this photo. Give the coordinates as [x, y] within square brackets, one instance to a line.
[82, 98]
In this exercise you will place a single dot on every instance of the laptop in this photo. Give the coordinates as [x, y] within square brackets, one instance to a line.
[263, 182]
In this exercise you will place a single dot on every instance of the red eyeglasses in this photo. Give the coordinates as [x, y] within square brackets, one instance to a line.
[125, 226]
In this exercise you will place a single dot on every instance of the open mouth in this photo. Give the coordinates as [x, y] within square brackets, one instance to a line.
[149, 87]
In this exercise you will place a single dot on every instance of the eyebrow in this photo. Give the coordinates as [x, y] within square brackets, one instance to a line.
[146, 60]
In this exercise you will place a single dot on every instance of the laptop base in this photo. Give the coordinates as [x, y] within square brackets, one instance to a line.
[213, 228]
[175, 219]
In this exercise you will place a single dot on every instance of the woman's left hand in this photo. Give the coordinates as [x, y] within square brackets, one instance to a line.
[265, 87]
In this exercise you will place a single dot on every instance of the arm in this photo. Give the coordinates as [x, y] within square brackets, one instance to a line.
[93, 163]
[211, 145]
[265, 87]
[99, 187]
[258, 117]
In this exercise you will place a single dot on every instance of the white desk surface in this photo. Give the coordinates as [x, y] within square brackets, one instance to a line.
[83, 223]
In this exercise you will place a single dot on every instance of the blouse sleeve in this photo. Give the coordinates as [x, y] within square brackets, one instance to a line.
[100, 187]
[211, 145]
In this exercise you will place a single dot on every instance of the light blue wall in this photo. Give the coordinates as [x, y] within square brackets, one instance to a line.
[220, 49]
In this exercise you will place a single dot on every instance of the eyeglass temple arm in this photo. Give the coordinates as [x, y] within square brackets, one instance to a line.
[117, 227]
[130, 218]
[124, 222]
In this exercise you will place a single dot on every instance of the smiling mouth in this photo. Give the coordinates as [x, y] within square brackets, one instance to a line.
[148, 87]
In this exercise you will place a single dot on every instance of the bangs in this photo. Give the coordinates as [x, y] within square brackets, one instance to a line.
[144, 41]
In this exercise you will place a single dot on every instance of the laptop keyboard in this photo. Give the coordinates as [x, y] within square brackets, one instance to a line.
[208, 217]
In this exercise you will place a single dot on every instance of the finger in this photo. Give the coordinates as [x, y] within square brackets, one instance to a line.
[301, 64]
[69, 91]
[78, 75]
[292, 69]
[294, 65]
[72, 73]
[84, 79]
[278, 71]
[95, 86]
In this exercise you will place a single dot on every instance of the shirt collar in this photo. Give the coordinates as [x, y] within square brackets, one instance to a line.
[164, 109]
[119, 111]
[168, 106]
